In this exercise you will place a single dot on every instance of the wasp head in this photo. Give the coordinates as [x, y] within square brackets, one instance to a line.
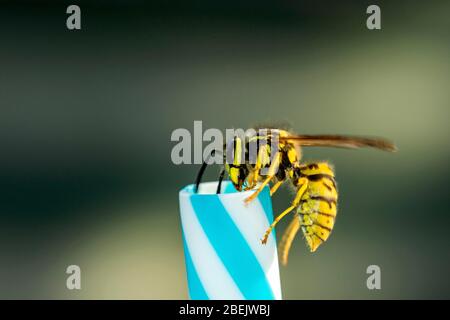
[238, 175]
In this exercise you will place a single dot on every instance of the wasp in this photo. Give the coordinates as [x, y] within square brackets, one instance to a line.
[276, 158]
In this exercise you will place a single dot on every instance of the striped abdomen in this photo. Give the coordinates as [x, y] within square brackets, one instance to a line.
[317, 209]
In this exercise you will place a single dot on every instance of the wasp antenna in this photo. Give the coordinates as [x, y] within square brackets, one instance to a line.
[202, 170]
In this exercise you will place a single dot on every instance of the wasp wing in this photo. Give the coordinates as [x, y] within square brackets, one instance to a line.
[340, 141]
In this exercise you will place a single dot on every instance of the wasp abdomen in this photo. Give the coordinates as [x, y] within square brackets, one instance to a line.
[318, 205]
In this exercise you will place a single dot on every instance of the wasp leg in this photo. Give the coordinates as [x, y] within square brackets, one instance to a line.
[304, 184]
[255, 174]
[255, 177]
[255, 194]
[275, 187]
[287, 239]
[272, 171]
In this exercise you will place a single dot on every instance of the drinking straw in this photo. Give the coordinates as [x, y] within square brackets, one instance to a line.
[224, 256]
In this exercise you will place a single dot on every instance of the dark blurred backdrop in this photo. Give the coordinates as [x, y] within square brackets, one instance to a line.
[86, 117]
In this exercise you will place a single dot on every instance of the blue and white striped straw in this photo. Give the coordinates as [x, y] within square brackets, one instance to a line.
[222, 244]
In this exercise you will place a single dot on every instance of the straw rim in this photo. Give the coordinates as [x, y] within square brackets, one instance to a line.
[188, 191]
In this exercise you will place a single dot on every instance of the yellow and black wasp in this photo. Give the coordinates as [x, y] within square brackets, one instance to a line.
[276, 158]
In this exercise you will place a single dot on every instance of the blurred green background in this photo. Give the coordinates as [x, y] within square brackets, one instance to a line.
[86, 117]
